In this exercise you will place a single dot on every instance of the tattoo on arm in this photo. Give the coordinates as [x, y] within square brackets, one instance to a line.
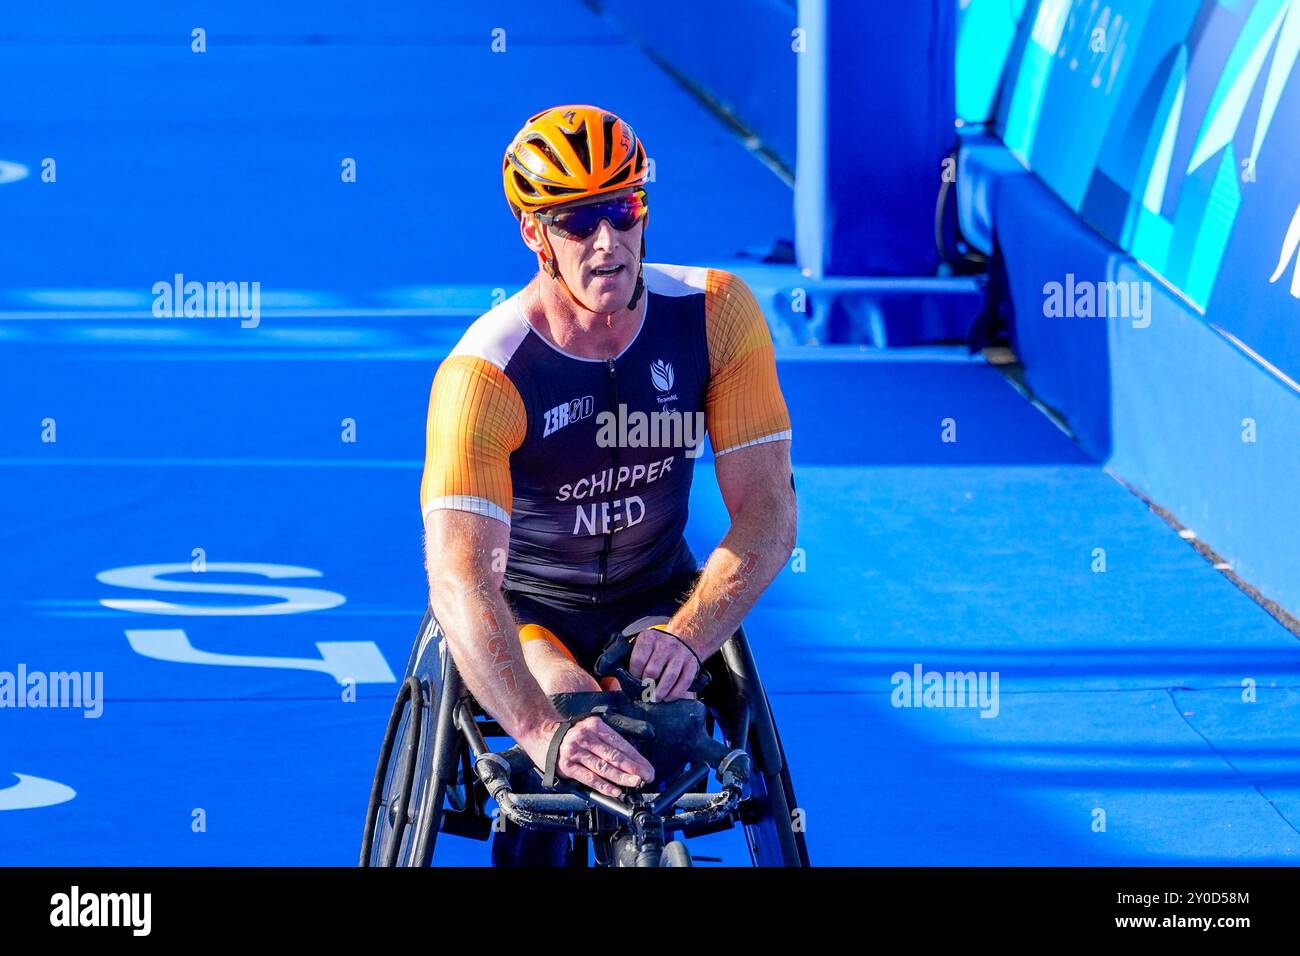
[505, 665]
[498, 644]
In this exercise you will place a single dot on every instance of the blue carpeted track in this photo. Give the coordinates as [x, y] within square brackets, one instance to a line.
[1121, 693]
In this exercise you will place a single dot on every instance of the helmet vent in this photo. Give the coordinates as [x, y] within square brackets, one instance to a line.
[524, 186]
[608, 122]
[578, 140]
[619, 176]
[539, 143]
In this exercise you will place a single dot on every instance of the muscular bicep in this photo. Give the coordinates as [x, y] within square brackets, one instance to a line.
[464, 550]
[756, 474]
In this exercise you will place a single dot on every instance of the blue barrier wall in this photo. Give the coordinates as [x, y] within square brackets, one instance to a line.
[1162, 141]
[985, 29]
[737, 51]
[1155, 121]
[1256, 295]
[1066, 357]
[1210, 436]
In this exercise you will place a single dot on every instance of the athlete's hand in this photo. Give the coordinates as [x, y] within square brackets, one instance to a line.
[665, 659]
[594, 753]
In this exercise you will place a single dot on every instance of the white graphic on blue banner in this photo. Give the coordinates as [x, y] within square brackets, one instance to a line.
[358, 661]
[150, 577]
[12, 172]
[1289, 246]
[30, 793]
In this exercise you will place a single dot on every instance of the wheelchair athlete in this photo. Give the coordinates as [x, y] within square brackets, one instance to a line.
[550, 519]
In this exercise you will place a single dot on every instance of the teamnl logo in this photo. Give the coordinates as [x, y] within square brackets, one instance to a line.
[1084, 299]
[208, 300]
[666, 428]
[946, 689]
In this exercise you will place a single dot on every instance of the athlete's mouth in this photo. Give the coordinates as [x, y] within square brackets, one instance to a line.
[607, 271]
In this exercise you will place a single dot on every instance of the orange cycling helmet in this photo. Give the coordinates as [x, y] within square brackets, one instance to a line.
[568, 153]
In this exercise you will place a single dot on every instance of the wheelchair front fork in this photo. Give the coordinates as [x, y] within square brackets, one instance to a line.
[641, 844]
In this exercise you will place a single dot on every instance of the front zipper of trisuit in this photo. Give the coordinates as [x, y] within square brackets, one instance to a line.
[609, 535]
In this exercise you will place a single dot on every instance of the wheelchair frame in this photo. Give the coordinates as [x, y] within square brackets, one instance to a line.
[436, 732]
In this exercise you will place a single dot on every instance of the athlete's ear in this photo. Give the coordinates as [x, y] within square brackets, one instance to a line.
[530, 230]
[534, 237]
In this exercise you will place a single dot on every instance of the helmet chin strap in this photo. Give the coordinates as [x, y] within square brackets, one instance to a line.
[552, 268]
[640, 283]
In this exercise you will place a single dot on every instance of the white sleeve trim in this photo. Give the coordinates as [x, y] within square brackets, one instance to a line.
[775, 436]
[470, 503]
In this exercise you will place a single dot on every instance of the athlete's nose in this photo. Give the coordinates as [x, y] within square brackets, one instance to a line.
[605, 238]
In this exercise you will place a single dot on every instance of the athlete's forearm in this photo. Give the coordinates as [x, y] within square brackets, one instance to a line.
[484, 642]
[752, 553]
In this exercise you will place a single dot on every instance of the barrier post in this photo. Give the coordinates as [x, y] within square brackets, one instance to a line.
[876, 120]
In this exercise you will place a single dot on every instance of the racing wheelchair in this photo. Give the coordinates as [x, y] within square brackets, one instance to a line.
[436, 773]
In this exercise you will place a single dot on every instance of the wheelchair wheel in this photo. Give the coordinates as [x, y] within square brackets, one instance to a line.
[676, 854]
[767, 831]
[407, 797]
[773, 832]
[774, 835]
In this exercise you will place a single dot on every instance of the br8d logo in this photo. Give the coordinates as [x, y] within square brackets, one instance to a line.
[569, 412]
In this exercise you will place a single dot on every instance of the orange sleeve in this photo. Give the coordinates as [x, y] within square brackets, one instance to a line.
[744, 405]
[476, 419]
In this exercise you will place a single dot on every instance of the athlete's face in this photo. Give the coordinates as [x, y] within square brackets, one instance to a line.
[600, 270]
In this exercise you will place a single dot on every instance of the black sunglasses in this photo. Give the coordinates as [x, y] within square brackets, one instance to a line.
[579, 222]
